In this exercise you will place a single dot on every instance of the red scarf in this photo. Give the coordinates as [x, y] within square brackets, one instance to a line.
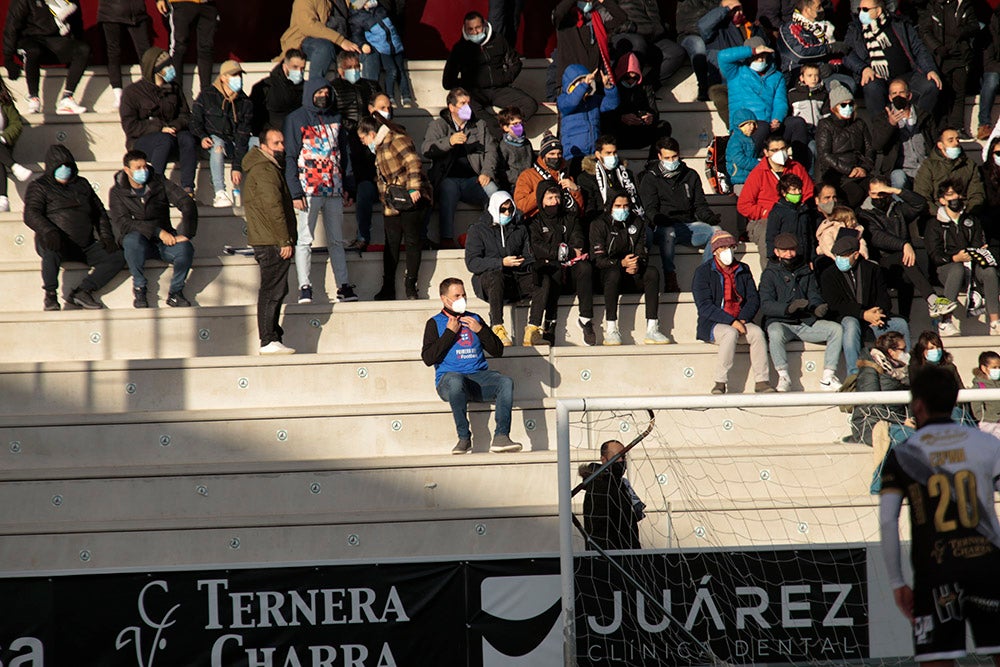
[600, 38]
[732, 301]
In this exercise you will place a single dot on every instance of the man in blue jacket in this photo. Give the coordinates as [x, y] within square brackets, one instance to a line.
[454, 341]
[727, 301]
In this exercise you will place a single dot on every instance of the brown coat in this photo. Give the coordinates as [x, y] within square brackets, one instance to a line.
[309, 20]
[524, 190]
[398, 163]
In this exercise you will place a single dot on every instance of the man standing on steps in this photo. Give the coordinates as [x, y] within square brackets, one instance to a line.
[454, 341]
[271, 231]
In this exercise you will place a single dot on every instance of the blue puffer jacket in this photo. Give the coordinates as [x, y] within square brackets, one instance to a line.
[708, 290]
[375, 27]
[764, 95]
[741, 157]
[580, 114]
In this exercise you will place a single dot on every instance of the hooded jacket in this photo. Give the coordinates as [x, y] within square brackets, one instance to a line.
[765, 94]
[267, 203]
[945, 237]
[149, 212]
[901, 30]
[937, 169]
[677, 197]
[741, 157]
[985, 411]
[794, 219]
[709, 291]
[129, 12]
[889, 230]
[549, 231]
[274, 98]
[612, 241]
[26, 18]
[580, 108]
[480, 147]
[489, 64]
[639, 99]
[488, 242]
[597, 182]
[574, 33]
[309, 19]
[73, 208]
[317, 153]
[233, 121]
[147, 108]
[527, 184]
[779, 286]
[841, 145]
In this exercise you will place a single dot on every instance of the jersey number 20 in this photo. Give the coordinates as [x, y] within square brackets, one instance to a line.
[938, 486]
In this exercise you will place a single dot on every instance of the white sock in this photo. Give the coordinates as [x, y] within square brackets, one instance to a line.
[611, 325]
[652, 324]
[584, 320]
[784, 374]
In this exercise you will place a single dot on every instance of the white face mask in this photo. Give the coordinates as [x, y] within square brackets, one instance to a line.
[726, 256]
[780, 157]
[458, 305]
[903, 358]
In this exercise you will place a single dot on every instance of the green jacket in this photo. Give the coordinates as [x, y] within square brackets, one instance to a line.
[267, 201]
[937, 169]
[14, 125]
[985, 411]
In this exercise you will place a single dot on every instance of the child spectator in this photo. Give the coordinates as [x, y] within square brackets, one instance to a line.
[580, 105]
[810, 99]
[373, 29]
[829, 230]
[790, 216]
[987, 376]
[516, 153]
[10, 130]
[741, 155]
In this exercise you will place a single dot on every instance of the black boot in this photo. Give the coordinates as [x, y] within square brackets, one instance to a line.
[139, 297]
[51, 300]
[178, 300]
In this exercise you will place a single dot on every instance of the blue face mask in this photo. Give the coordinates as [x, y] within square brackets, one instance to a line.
[953, 152]
[506, 219]
[864, 17]
[843, 263]
[610, 161]
[371, 147]
[670, 165]
[619, 214]
[933, 355]
[477, 38]
[235, 83]
[63, 172]
[140, 176]
[352, 75]
[758, 65]
[847, 111]
[295, 76]
[169, 73]
[585, 7]
[994, 374]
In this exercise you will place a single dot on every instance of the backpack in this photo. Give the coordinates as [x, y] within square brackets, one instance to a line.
[715, 166]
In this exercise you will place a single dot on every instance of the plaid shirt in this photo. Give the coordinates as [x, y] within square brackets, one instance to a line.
[398, 163]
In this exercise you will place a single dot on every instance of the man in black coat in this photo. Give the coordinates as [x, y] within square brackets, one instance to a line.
[611, 508]
[845, 156]
[140, 202]
[902, 136]
[70, 225]
[280, 93]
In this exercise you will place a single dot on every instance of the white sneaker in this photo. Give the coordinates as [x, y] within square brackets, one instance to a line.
[68, 106]
[939, 306]
[995, 328]
[34, 104]
[118, 98]
[948, 328]
[274, 347]
[21, 173]
[653, 335]
[830, 382]
[4, 204]
[784, 382]
[221, 200]
[611, 334]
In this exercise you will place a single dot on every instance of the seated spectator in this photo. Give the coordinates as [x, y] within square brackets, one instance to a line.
[741, 154]
[858, 298]
[33, 30]
[464, 161]
[902, 136]
[636, 121]
[949, 238]
[618, 251]
[793, 309]
[885, 368]
[498, 254]
[790, 216]
[113, 15]
[611, 508]
[949, 163]
[829, 230]
[373, 29]
[139, 203]
[559, 247]
[156, 118]
[727, 300]
[987, 376]
[486, 65]
[604, 174]
[810, 99]
[221, 121]
[580, 106]
[308, 31]
[674, 202]
[11, 127]
[826, 199]
[887, 216]
[70, 225]
[949, 30]
[989, 213]
[645, 36]
[929, 351]
[516, 153]
[582, 32]
[454, 341]
[549, 166]
[882, 47]
[807, 38]
[991, 77]
[280, 93]
[845, 156]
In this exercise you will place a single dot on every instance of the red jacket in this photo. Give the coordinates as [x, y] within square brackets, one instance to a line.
[760, 192]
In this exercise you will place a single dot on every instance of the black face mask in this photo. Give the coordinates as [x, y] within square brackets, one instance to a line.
[279, 157]
[553, 163]
[617, 469]
[882, 203]
[791, 263]
[322, 102]
[551, 210]
[899, 103]
[956, 205]
[820, 15]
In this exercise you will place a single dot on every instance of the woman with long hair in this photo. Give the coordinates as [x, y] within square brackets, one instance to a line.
[929, 350]
[10, 130]
[989, 215]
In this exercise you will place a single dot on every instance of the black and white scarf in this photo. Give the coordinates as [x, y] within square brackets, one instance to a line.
[877, 40]
[568, 202]
[822, 30]
[603, 184]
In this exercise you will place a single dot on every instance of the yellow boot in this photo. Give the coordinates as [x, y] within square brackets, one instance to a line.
[532, 336]
[501, 333]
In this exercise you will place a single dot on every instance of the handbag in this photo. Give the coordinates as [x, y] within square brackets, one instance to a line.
[398, 197]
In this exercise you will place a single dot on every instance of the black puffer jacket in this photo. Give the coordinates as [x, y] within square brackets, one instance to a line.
[889, 230]
[147, 108]
[949, 29]
[780, 285]
[274, 98]
[945, 237]
[612, 241]
[352, 100]
[548, 232]
[213, 114]
[492, 64]
[129, 12]
[72, 208]
[150, 212]
[842, 145]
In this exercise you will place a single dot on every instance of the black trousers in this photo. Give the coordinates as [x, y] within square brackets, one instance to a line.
[272, 293]
[104, 265]
[74, 52]
[554, 281]
[203, 18]
[113, 42]
[6, 162]
[617, 282]
[906, 280]
[402, 228]
[951, 99]
[502, 286]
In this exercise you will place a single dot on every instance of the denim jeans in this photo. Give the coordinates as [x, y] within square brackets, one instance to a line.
[820, 331]
[481, 387]
[987, 94]
[217, 154]
[853, 337]
[138, 249]
[332, 209]
[397, 77]
[454, 190]
[367, 198]
[320, 54]
[667, 237]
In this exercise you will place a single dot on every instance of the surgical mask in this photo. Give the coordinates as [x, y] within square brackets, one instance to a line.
[459, 305]
[793, 198]
[352, 75]
[843, 263]
[169, 73]
[235, 83]
[956, 205]
[996, 159]
[619, 214]
[933, 355]
[465, 112]
[385, 114]
[952, 152]
[864, 17]
[140, 176]
[726, 256]
[904, 358]
[758, 65]
[295, 76]
[847, 111]
[371, 147]
[506, 219]
[553, 163]
[610, 161]
[780, 157]
[63, 172]
[475, 39]
[517, 129]
[670, 165]
[827, 207]
[994, 374]
[585, 7]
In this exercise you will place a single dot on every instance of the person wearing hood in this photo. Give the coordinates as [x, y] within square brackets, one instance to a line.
[156, 118]
[549, 165]
[902, 135]
[793, 309]
[318, 172]
[280, 93]
[580, 106]
[602, 174]
[70, 225]
[950, 239]
[498, 254]
[454, 344]
[559, 246]
[221, 120]
[611, 508]
[139, 203]
[463, 156]
[741, 154]
[635, 122]
[483, 63]
[583, 28]
[987, 376]
[845, 155]
[113, 15]
[790, 216]
[674, 201]
[618, 251]
[948, 162]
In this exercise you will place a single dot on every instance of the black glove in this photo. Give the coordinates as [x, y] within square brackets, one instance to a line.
[797, 304]
[941, 52]
[13, 69]
[52, 240]
[821, 310]
[837, 48]
[109, 244]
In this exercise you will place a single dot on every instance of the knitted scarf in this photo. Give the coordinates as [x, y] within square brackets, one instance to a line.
[603, 185]
[816, 28]
[732, 301]
[876, 40]
[600, 33]
[568, 202]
